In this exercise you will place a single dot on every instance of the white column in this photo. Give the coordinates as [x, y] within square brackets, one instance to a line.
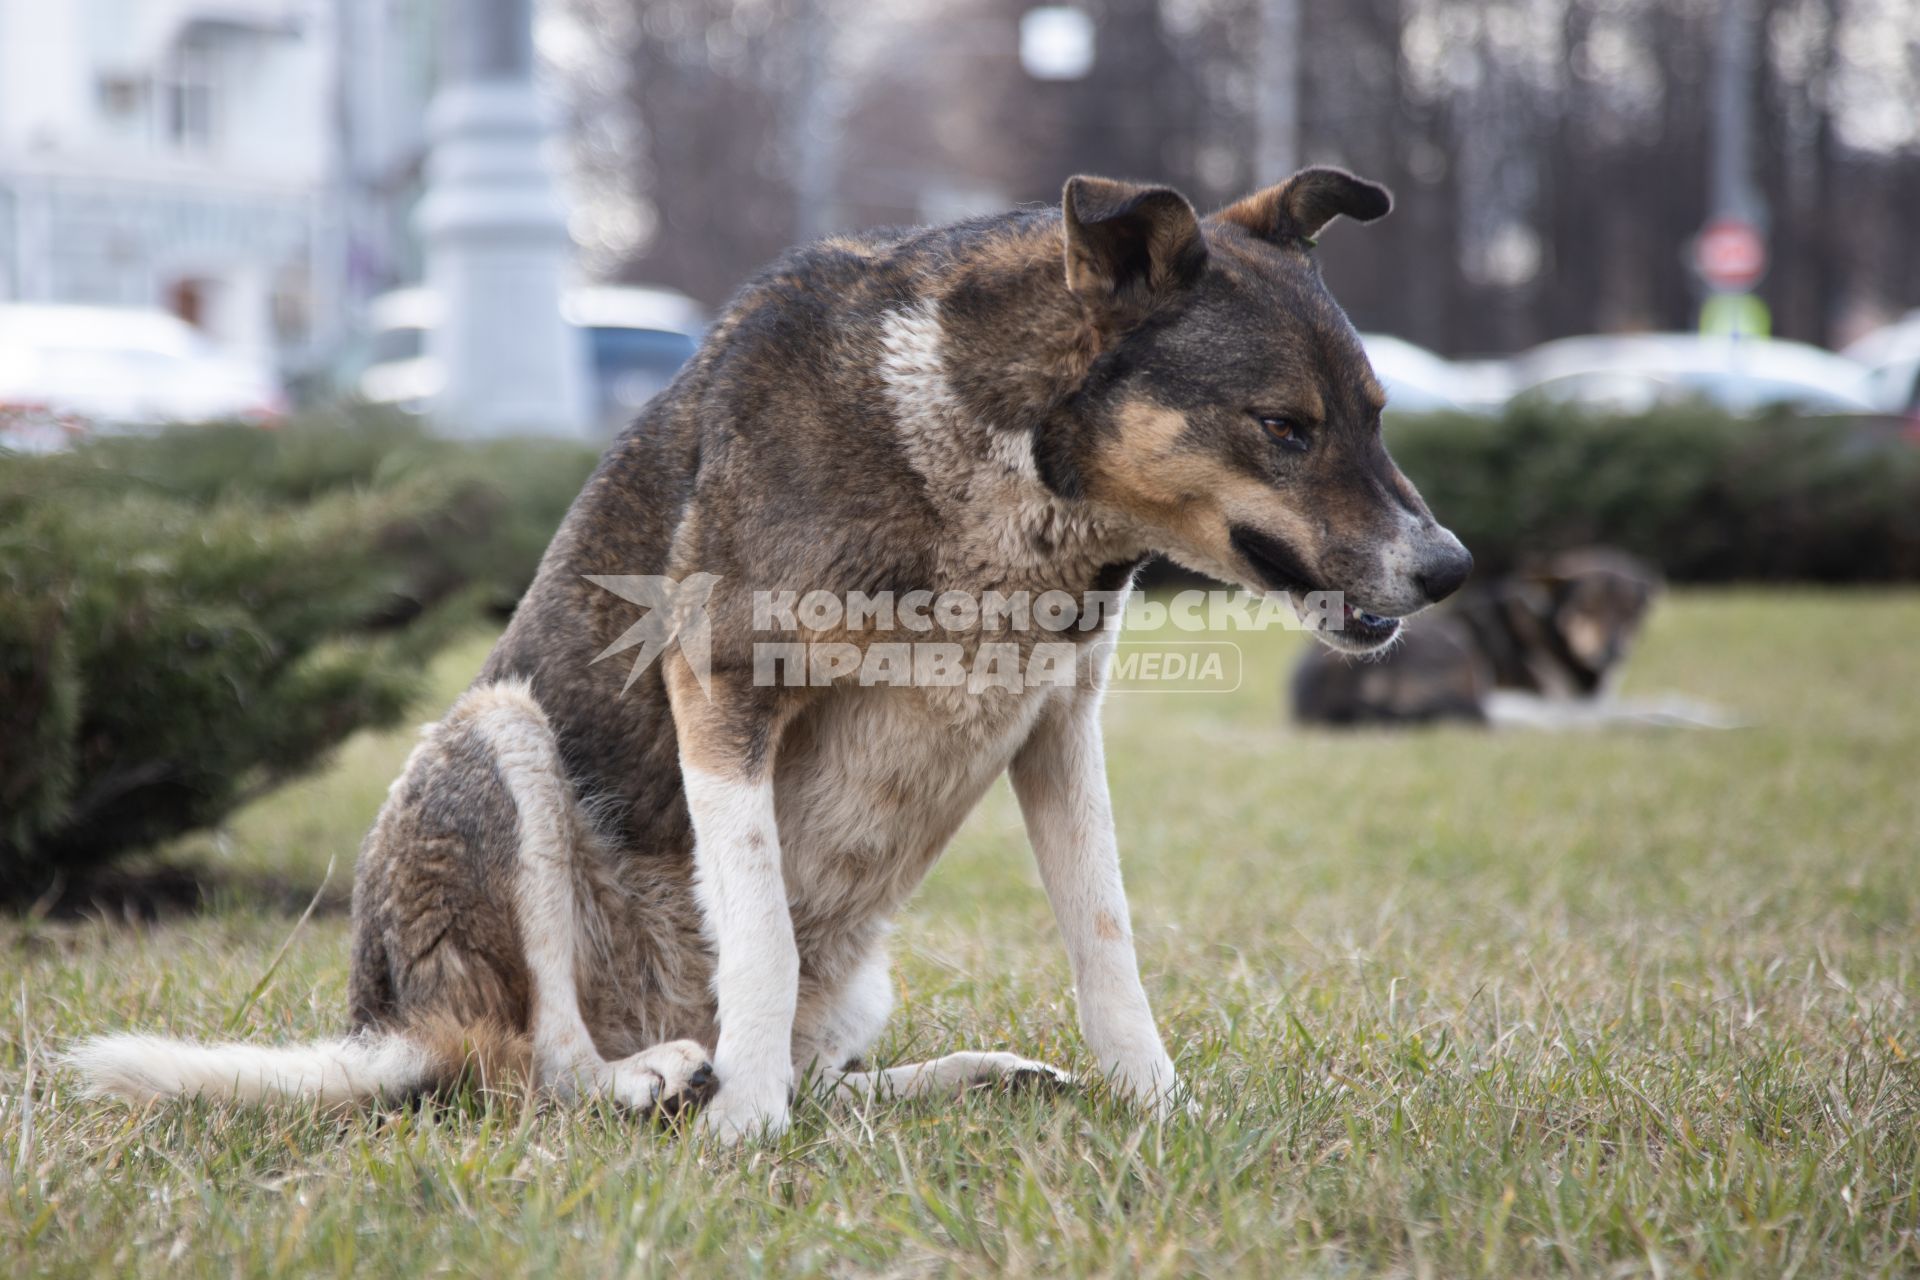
[496, 241]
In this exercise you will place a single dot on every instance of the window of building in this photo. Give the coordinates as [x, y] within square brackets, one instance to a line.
[123, 103]
[192, 99]
[120, 96]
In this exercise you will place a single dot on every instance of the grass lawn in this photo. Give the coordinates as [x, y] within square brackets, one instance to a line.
[1454, 1004]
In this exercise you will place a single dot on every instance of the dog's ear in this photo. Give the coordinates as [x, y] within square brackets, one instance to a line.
[1130, 246]
[1296, 209]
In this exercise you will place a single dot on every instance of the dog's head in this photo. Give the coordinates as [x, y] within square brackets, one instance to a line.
[1594, 602]
[1231, 411]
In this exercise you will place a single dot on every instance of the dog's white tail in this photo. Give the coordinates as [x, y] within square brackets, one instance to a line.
[360, 1068]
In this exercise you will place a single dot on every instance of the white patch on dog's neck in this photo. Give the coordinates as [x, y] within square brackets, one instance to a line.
[981, 478]
[943, 441]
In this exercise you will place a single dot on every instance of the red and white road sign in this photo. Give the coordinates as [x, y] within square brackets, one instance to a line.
[1730, 255]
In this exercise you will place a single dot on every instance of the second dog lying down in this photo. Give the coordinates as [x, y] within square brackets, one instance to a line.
[1542, 648]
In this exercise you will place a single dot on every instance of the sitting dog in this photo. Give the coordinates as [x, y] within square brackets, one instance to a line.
[672, 883]
[1541, 648]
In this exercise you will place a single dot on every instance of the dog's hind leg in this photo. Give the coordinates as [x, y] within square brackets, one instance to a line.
[830, 1038]
[472, 924]
[952, 1074]
[551, 922]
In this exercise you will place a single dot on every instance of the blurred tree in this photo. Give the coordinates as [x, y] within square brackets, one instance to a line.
[1551, 156]
[191, 619]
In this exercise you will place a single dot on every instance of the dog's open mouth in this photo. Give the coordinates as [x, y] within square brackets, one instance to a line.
[1279, 569]
[1362, 632]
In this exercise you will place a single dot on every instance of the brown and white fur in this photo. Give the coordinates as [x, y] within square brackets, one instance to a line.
[618, 886]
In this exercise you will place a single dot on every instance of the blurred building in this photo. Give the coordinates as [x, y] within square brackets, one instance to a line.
[221, 159]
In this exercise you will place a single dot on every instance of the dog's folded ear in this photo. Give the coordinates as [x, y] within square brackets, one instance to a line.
[1296, 209]
[1128, 246]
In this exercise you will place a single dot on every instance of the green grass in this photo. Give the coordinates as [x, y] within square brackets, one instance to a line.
[1454, 1003]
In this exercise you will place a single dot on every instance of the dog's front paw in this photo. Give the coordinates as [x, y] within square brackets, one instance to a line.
[663, 1080]
[737, 1115]
[1154, 1085]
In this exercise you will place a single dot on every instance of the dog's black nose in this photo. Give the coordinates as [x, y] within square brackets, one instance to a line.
[1444, 571]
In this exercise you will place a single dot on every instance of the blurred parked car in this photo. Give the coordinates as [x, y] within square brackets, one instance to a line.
[1635, 372]
[1420, 381]
[635, 340]
[1891, 355]
[68, 370]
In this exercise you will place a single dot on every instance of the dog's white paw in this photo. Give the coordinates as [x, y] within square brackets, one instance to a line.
[1180, 1104]
[736, 1116]
[1155, 1086]
[1017, 1075]
[664, 1079]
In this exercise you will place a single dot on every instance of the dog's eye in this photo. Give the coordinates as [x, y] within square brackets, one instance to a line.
[1283, 431]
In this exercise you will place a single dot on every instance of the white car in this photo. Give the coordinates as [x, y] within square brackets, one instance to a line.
[66, 371]
[1891, 355]
[636, 339]
[1419, 381]
[1632, 373]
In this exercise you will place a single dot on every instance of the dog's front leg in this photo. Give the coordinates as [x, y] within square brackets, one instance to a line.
[726, 762]
[1060, 776]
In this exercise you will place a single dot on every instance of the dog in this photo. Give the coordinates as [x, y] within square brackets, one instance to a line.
[672, 884]
[1541, 648]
